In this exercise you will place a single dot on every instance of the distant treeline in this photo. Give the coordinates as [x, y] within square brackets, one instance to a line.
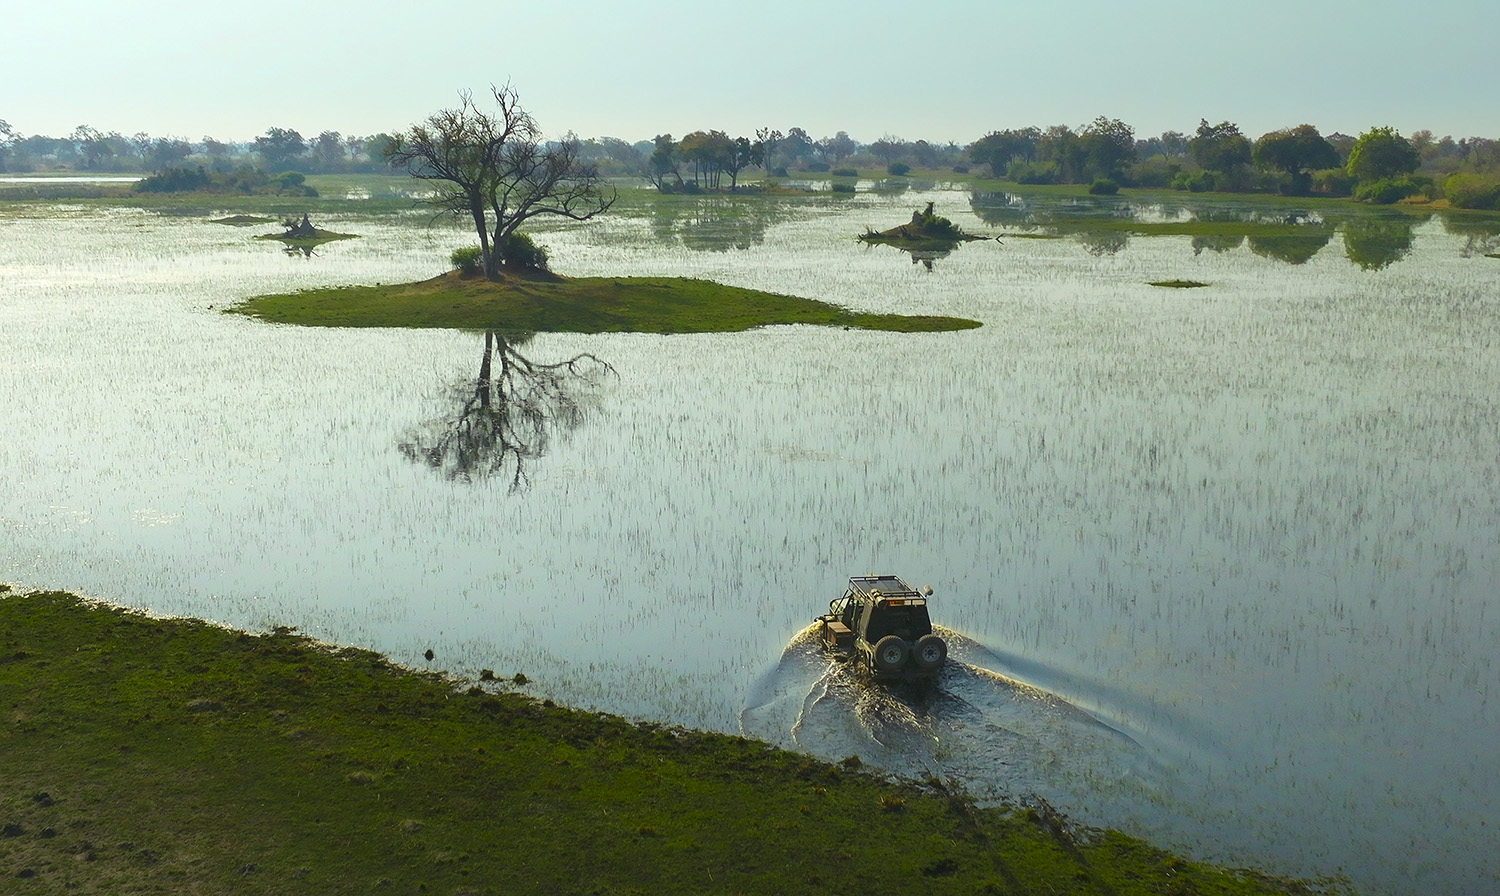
[279, 149]
[244, 180]
[1379, 165]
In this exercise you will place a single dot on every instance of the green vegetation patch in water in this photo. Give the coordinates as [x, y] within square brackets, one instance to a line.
[316, 238]
[1179, 284]
[926, 230]
[273, 764]
[546, 303]
[303, 235]
[243, 220]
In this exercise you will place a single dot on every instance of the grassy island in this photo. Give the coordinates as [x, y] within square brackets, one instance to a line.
[542, 302]
[927, 230]
[149, 755]
[311, 240]
[298, 234]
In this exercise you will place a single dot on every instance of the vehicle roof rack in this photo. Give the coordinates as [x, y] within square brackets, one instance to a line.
[885, 586]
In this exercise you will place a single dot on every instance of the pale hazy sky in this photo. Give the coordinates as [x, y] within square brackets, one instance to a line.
[931, 70]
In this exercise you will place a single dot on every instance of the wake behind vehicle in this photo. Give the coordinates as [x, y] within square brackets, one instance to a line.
[882, 623]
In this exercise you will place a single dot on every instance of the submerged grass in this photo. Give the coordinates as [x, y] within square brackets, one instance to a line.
[547, 303]
[173, 756]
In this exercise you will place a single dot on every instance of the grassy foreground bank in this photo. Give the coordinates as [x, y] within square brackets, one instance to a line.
[539, 302]
[143, 755]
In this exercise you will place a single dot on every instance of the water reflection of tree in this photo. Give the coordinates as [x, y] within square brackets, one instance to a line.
[507, 417]
[1224, 240]
[1371, 240]
[1481, 234]
[1003, 210]
[1292, 248]
[1217, 242]
[1094, 222]
[1374, 243]
[1103, 242]
[715, 223]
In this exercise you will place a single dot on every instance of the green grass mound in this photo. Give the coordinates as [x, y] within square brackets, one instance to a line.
[172, 757]
[316, 237]
[542, 302]
[243, 220]
[927, 230]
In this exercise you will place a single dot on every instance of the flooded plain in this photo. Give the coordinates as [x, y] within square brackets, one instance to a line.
[1218, 564]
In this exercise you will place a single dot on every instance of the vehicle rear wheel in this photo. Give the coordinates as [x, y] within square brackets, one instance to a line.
[930, 651]
[890, 654]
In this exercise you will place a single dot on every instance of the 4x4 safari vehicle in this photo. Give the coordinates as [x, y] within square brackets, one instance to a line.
[881, 622]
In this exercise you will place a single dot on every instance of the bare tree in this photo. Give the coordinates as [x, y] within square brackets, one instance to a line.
[493, 167]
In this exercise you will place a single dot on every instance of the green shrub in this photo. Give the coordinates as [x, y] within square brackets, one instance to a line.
[1298, 183]
[843, 188]
[960, 169]
[292, 183]
[175, 180]
[1103, 187]
[1032, 172]
[1388, 190]
[1333, 182]
[519, 251]
[244, 179]
[1255, 180]
[845, 172]
[1154, 172]
[1195, 181]
[897, 169]
[468, 261]
[1473, 191]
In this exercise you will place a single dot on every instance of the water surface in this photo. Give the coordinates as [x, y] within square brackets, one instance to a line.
[1218, 563]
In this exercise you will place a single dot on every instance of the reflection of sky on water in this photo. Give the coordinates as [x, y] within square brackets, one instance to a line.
[1252, 526]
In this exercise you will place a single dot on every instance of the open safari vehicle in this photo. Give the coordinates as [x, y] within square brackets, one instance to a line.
[882, 623]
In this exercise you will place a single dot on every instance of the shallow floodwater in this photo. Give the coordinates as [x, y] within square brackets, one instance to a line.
[1218, 564]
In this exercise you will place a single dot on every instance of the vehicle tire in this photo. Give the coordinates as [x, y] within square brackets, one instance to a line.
[930, 651]
[890, 654]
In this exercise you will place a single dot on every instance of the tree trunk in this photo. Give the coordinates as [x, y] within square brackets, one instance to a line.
[485, 251]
